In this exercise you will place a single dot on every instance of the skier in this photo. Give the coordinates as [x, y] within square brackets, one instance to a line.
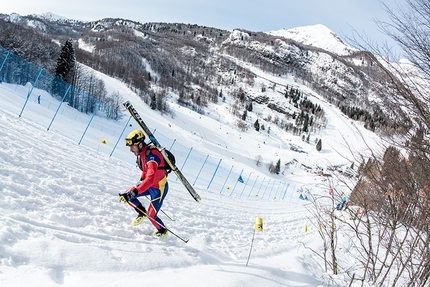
[153, 182]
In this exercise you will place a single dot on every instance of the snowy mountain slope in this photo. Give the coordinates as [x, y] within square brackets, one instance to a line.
[62, 225]
[317, 36]
[313, 55]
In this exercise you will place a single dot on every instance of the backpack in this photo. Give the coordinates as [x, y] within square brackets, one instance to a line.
[170, 156]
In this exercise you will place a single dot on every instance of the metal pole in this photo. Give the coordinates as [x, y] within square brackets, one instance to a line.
[172, 144]
[95, 111]
[4, 61]
[236, 182]
[285, 192]
[216, 170]
[252, 242]
[119, 138]
[29, 93]
[260, 186]
[245, 185]
[62, 100]
[185, 160]
[253, 186]
[222, 188]
[266, 188]
[200, 169]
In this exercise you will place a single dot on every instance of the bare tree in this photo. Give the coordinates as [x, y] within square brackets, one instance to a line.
[393, 234]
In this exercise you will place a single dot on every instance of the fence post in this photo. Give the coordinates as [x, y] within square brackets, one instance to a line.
[222, 188]
[253, 186]
[267, 186]
[95, 111]
[29, 93]
[291, 196]
[280, 182]
[260, 186]
[185, 161]
[270, 193]
[186, 158]
[216, 170]
[4, 61]
[245, 184]
[200, 170]
[236, 182]
[126, 124]
[62, 100]
[171, 146]
[285, 192]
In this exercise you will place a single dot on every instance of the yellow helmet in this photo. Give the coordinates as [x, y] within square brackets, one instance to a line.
[134, 138]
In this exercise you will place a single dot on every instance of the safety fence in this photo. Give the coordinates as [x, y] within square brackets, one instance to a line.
[34, 93]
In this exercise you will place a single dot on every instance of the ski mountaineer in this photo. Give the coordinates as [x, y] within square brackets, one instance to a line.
[153, 182]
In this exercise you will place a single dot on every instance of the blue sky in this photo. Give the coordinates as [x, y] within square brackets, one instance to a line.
[340, 16]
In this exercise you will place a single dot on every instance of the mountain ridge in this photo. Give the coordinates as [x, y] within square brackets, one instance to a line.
[350, 80]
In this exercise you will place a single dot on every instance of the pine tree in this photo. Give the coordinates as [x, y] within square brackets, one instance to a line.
[278, 167]
[306, 123]
[153, 103]
[319, 145]
[66, 62]
[249, 107]
[257, 125]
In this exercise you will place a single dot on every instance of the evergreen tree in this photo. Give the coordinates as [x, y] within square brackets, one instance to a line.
[257, 125]
[306, 123]
[66, 62]
[319, 145]
[278, 166]
[153, 103]
[249, 107]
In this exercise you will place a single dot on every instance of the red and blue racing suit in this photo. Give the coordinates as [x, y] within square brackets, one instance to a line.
[153, 182]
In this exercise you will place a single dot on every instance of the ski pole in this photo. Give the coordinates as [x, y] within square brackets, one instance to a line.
[172, 219]
[153, 220]
[137, 184]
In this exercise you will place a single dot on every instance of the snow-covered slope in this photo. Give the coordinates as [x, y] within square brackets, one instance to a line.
[318, 36]
[61, 224]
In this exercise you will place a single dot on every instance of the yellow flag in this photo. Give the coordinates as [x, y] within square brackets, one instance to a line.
[103, 141]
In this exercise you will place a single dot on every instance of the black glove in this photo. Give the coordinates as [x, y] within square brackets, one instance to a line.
[129, 194]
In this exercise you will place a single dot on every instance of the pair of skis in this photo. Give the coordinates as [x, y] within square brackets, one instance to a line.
[161, 149]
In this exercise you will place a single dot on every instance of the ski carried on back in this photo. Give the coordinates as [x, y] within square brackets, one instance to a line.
[161, 149]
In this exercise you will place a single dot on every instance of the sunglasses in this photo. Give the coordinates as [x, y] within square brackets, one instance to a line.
[132, 141]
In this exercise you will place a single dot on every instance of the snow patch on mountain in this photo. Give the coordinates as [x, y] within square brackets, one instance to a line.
[85, 46]
[318, 36]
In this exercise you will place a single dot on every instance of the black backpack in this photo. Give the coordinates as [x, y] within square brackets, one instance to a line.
[170, 156]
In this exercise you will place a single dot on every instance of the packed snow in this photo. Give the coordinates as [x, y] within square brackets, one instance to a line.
[61, 223]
